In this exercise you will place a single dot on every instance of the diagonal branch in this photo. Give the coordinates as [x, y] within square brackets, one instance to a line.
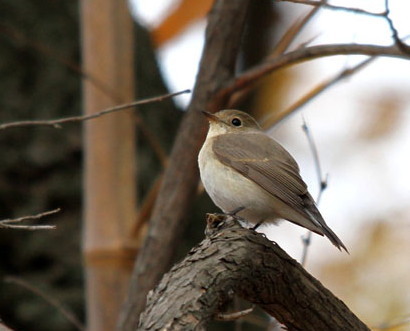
[316, 3]
[57, 122]
[296, 28]
[283, 44]
[13, 33]
[9, 223]
[69, 316]
[178, 188]
[302, 55]
[273, 119]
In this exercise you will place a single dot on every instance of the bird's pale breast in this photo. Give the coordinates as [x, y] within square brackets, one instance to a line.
[229, 189]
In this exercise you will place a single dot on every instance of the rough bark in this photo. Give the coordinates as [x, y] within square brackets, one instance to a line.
[217, 66]
[236, 260]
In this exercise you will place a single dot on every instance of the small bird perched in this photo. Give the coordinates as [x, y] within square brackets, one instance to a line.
[244, 169]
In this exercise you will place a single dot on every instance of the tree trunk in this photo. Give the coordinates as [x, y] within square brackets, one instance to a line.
[110, 174]
[239, 261]
[177, 192]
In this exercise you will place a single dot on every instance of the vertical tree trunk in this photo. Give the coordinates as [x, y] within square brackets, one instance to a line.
[222, 42]
[109, 180]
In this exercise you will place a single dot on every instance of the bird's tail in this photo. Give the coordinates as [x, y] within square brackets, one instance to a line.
[323, 229]
[320, 224]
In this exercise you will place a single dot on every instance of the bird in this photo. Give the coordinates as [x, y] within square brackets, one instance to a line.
[246, 171]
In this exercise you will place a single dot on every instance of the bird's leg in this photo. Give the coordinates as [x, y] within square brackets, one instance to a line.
[231, 213]
[256, 225]
[235, 211]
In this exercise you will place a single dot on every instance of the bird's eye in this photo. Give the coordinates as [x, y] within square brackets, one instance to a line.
[236, 121]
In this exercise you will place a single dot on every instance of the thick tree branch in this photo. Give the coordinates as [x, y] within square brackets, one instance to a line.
[214, 86]
[236, 260]
[177, 191]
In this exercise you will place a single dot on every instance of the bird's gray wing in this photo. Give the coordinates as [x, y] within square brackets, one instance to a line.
[268, 164]
[265, 162]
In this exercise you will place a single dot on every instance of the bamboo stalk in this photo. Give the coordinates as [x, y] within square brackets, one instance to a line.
[109, 179]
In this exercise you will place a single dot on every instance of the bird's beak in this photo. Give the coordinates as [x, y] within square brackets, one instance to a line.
[211, 117]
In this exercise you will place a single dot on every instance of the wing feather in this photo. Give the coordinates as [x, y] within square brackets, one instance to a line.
[278, 173]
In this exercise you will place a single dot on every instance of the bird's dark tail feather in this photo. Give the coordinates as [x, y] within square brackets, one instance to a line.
[319, 222]
[333, 238]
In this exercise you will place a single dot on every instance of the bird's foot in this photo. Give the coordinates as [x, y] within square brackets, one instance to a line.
[256, 226]
[235, 211]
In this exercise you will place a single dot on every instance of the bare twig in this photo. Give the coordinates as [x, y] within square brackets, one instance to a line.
[313, 148]
[333, 7]
[146, 207]
[45, 50]
[320, 88]
[280, 48]
[234, 316]
[57, 122]
[247, 79]
[8, 223]
[322, 185]
[400, 44]
[291, 34]
[107, 90]
[153, 142]
[51, 301]
[300, 55]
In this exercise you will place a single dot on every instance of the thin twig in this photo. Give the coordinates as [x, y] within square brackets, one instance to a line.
[107, 90]
[273, 119]
[8, 223]
[322, 181]
[154, 143]
[280, 48]
[306, 241]
[45, 50]
[249, 77]
[146, 207]
[295, 29]
[234, 316]
[57, 122]
[300, 55]
[333, 7]
[322, 185]
[51, 301]
[400, 44]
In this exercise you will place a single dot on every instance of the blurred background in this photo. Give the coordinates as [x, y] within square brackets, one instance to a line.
[361, 127]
